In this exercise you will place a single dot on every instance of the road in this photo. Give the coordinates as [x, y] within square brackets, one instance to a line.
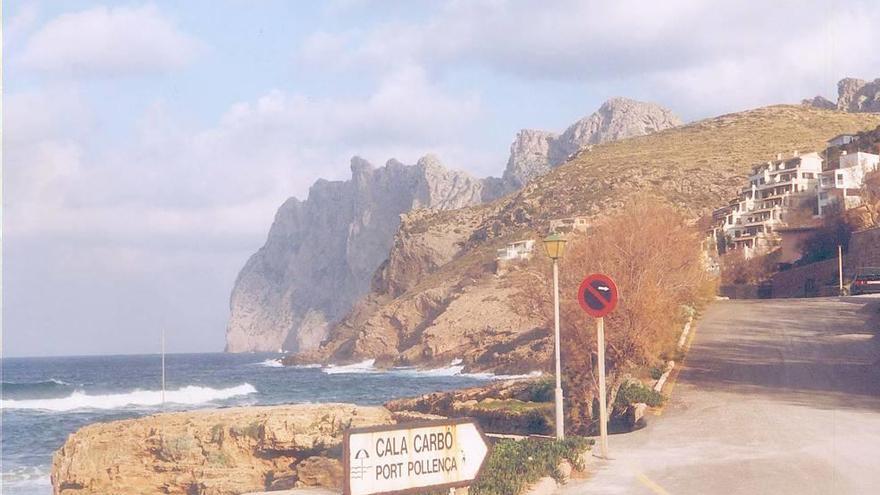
[775, 397]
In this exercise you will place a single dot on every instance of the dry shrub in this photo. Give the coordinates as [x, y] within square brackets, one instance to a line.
[737, 269]
[655, 259]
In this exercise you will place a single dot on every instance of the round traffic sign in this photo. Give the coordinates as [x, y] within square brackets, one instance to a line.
[597, 295]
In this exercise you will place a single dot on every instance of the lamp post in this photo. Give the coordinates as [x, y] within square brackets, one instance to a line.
[554, 244]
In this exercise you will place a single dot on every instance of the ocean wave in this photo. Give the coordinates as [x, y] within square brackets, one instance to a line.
[39, 385]
[491, 376]
[454, 369]
[34, 477]
[271, 363]
[367, 366]
[189, 395]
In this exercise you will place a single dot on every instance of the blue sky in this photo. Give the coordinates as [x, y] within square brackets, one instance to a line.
[147, 145]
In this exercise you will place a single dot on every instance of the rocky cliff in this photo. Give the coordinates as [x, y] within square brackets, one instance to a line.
[211, 452]
[534, 153]
[853, 95]
[322, 252]
[440, 296]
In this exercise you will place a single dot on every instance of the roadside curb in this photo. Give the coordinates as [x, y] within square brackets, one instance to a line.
[670, 365]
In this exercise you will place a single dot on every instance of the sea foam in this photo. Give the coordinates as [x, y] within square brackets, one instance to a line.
[189, 395]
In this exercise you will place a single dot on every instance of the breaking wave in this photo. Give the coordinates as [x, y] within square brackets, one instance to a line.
[271, 363]
[38, 386]
[189, 395]
[455, 368]
[367, 366]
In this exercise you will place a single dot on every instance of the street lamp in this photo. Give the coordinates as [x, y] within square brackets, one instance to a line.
[554, 244]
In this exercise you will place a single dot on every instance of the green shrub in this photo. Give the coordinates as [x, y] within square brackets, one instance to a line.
[633, 392]
[542, 390]
[514, 465]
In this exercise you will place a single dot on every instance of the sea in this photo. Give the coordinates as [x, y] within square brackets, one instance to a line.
[45, 399]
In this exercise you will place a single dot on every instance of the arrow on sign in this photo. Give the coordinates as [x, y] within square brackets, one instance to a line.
[412, 457]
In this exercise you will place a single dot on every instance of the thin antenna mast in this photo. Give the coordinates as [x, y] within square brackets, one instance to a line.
[163, 367]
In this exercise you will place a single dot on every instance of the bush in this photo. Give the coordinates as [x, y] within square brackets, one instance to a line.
[658, 267]
[542, 390]
[634, 392]
[514, 465]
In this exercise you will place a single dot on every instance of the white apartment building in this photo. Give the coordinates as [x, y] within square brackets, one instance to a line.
[774, 189]
[842, 186]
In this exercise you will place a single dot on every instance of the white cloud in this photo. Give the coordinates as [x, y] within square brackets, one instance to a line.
[707, 57]
[109, 42]
[223, 181]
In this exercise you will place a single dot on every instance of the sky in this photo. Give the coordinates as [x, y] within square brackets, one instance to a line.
[146, 146]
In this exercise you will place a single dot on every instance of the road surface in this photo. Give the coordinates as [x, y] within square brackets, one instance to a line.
[775, 397]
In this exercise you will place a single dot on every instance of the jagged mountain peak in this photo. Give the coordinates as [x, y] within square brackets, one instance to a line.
[534, 153]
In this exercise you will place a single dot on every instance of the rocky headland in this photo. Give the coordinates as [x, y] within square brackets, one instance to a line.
[211, 452]
[322, 254]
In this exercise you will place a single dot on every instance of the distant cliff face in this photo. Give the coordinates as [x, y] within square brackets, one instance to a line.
[321, 253]
[853, 95]
[534, 153]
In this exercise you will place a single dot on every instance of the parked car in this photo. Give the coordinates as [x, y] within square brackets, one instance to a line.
[866, 281]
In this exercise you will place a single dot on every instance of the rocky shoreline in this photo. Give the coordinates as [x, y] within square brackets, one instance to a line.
[237, 450]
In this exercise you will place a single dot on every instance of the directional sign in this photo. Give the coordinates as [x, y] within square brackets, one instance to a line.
[413, 457]
[597, 295]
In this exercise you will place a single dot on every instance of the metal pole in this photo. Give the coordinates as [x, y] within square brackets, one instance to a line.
[603, 407]
[163, 366]
[560, 419]
[840, 267]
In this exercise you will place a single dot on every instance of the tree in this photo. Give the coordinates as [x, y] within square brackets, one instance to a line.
[655, 258]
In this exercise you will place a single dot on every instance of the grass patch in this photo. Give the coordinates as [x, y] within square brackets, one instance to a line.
[512, 405]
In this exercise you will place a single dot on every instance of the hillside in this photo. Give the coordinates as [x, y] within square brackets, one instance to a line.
[437, 297]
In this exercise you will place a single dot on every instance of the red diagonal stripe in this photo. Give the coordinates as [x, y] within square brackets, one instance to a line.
[598, 294]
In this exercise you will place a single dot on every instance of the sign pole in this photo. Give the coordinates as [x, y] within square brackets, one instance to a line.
[560, 420]
[603, 407]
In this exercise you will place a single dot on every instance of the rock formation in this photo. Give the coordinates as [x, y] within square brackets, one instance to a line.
[533, 153]
[820, 101]
[856, 95]
[853, 95]
[211, 452]
[322, 252]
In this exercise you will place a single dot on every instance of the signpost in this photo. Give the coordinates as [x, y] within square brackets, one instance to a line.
[413, 457]
[598, 296]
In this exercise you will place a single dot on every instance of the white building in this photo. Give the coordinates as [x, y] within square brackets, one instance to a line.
[775, 189]
[520, 250]
[568, 225]
[843, 185]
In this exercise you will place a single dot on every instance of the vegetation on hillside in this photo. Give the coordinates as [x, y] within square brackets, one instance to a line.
[658, 267]
[514, 465]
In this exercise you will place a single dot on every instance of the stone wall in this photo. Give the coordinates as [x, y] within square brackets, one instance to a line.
[864, 249]
[813, 280]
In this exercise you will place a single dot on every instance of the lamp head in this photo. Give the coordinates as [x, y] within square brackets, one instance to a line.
[554, 244]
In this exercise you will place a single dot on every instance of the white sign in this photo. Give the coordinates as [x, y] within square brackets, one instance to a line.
[400, 458]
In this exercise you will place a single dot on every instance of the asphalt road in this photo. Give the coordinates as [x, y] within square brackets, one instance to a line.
[775, 397]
